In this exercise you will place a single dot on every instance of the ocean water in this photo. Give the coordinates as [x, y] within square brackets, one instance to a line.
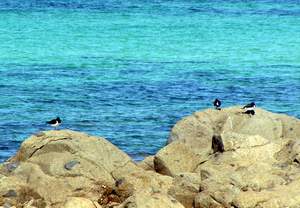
[129, 70]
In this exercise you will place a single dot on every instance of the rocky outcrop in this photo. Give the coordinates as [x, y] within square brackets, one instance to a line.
[71, 169]
[55, 165]
[197, 130]
[242, 161]
[213, 159]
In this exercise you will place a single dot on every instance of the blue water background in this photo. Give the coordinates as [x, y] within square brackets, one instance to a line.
[129, 70]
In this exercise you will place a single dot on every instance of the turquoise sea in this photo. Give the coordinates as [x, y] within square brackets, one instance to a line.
[129, 70]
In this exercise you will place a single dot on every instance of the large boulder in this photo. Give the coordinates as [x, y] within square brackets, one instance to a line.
[190, 141]
[138, 180]
[54, 165]
[197, 130]
[175, 158]
[242, 160]
[71, 169]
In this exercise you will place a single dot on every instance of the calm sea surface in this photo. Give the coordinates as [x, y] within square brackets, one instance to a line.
[129, 70]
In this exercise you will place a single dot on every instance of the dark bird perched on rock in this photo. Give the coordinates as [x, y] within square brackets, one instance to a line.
[249, 108]
[54, 122]
[217, 104]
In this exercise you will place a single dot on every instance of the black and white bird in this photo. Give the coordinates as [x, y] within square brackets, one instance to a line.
[217, 103]
[249, 108]
[250, 112]
[54, 122]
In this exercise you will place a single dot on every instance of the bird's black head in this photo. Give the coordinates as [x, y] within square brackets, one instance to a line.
[253, 103]
[58, 119]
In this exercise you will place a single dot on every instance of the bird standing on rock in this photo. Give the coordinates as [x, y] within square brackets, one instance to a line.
[217, 104]
[250, 108]
[54, 122]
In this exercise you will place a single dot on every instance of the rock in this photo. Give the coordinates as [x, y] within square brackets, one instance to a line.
[79, 202]
[11, 166]
[7, 205]
[185, 187]
[295, 152]
[70, 165]
[9, 188]
[7, 168]
[238, 169]
[132, 180]
[290, 126]
[147, 200]
[110, 197]
[233, 141]
[56, 164]
[281, 196]
[29, 204]
[243, 161]
[10, 193]
[197, 130]
[147, 163]
[288, 152]
[93, 148]
[176, 158]
[243, 124]
[194, 133]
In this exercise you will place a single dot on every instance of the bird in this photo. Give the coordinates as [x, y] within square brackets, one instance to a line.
[54, 122]
[250, 106]
[250, 112]
[249, 109]
[217, 103]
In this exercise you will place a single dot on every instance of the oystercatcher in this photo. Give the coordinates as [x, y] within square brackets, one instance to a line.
[249, 109]
[217, 103]
[54, 122]
[250, 106]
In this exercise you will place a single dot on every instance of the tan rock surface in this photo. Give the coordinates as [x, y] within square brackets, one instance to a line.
[79, 202]
[138, 180]
[147, 163]
[60, 164]
[257, 165]
[197, 130]
[176, 158]
[150, 200]
[185, 187]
